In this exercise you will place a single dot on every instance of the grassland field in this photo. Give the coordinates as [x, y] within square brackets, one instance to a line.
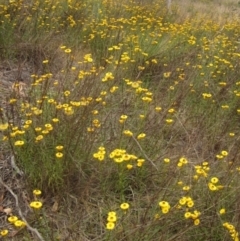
[119, 121]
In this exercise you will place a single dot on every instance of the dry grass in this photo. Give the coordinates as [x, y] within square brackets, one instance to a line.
[221, 11]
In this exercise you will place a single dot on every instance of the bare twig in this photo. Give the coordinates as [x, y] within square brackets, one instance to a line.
[15, 167]
[31, 229]
[145, 155]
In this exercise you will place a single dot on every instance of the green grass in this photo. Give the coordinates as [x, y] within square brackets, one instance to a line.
[127, 104]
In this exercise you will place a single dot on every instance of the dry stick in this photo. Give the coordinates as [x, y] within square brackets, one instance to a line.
[144, 152]
[33, 230]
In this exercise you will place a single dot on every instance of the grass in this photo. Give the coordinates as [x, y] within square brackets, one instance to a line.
[129, 125]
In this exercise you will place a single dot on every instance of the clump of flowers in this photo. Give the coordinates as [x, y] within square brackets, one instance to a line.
[222, 154]
[194, 216]
[182, 161]
[123, 118]
[186, 201]
[213, 184]
[100, 154]
[232, 231]
[59, 150]
[111, 220]
[165, 206]
[121, 155]
[108, 76]
[16, 222]
[36, 204]
[201, 170]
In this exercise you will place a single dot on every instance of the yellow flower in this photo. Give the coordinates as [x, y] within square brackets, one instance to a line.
[171, 110]
[140, 162]
[48, 127]
[141, 136]
[25, 126]
[67, 51]
[59, 155]
[183, 201]
[3, 126]
[108, 76]
[55, 120]
[196, 214]
[39, 138]
[165, 210]
[112, 213]
[4, 232]
[37, 192]
[45, 132]
[19, 143]
[67, 93]
[110, 226]
[37, 112]
[99, 156]
[113, 89]
[164, 204]
[179, 164]
[146, 99]
[158, 108]
[59, 148]
[12, 219]
[186, 188]
[183, 160]
[112, 218]
[224, 153]
[169, 121]
[11, 101]
[118, 159]
[166, 160]
[19, 224]
[167, 74]
[212, 187]
[187, 215]
[59, 106]
[190, 204]
[124, 206]
[5, 138]
[222, 211]
[129, 166]
[154, 61]
[214, 180]
[123, 118]
[127, 133]
[196, 221]
[36, 204]
[88, 58]
[68, 110]
[206, 95]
